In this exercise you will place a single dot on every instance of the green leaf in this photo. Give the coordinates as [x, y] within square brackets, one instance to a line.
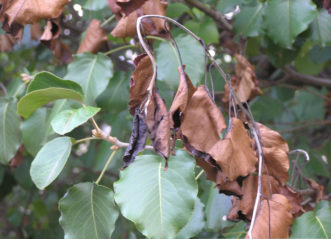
[45, 80]
[195, 224]
[159, 202]
[217, 207]
[238, 231]
[34, 131]
[225, 6]
[50, 161]
[286, 19]
[320, 28]
[175, 10]
[67, 120]
[249, 21]
[32, 101]
[92, 72]
[88, 212]
[316, 224]
[168, 62]
[206, 29]
[11, 135]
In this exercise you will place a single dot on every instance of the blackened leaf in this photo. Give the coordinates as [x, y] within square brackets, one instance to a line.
[137, 139]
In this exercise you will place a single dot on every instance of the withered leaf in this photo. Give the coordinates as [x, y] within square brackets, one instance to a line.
[280, 218]
[6, 42]
[137, 139]
[157, 121]
[15, 14]
[94, 39]
[140, 80]
[126, 26]
[17, 160]
[234, 154]
[183, 95]
[318, 190]
[275, 151]
[50, 40]
[244, 82]
[244, 206]
[294, 199]
[230, 188]
[36, 31]
[123, 8]
[202, 121]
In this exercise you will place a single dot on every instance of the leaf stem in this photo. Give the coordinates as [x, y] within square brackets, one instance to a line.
[199, 174]
[106, 165]
[85, 139]
[119, 49]
[110, 19]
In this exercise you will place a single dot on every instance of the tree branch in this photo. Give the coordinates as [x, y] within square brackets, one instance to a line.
[308, 79]
[216, 15]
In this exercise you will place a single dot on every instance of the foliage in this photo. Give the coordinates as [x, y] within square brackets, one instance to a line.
[191, 154]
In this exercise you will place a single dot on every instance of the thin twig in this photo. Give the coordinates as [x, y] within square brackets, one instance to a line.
[106, 166]
[110, 19]
[119, 49]
[319, 123]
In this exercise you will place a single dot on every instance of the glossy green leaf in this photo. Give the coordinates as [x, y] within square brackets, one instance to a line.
[286, 19]
[34, 131]
[159, 202]
[195, 224]
[249, 21]
[11, 135]
[217, 208]
[315, 224]
[67, 120]
[206, 29]
[168, 62]
[237, 231]
[92, 72]
[45, 80]
[320, 28]
[50, 161]
[320, 54]
[32, 101]
[88, 212]
[175, 10]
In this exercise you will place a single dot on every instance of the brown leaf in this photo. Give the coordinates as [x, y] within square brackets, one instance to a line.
[36, 31]
[6, 42]
[137, 139]
[278, 211]
[243, 207]
[327, 5]
[244, 82]
[294, 199]
[157, 120]
[275, 151]
[230, 188]
[235, 154]
[123, 8]
[318, 190]
[126, 26]
[15, 14]
[94, 39]
[202, 121]
[183, 95]
[50, 39]
[140, 80]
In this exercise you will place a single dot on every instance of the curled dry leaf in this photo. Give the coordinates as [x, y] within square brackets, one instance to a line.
[235, 154]
[137, 139]
[50, 39]
[318, 190]
[157, 120]
[242, 208]
[275, 151]
[140, 80]
[15, 14]
[294, 199]
[6, 42]
[126, 26]
[122, 8]
[36, 31]
[94, 39]
[244, 82]
[278, 210]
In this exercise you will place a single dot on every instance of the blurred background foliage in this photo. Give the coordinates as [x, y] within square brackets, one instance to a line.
[292, 65]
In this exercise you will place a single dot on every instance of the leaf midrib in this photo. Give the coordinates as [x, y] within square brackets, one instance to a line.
[321, 225]
[4, 129]
[90, 76]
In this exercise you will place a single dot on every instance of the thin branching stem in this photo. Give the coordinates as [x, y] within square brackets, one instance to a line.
[106, 166]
